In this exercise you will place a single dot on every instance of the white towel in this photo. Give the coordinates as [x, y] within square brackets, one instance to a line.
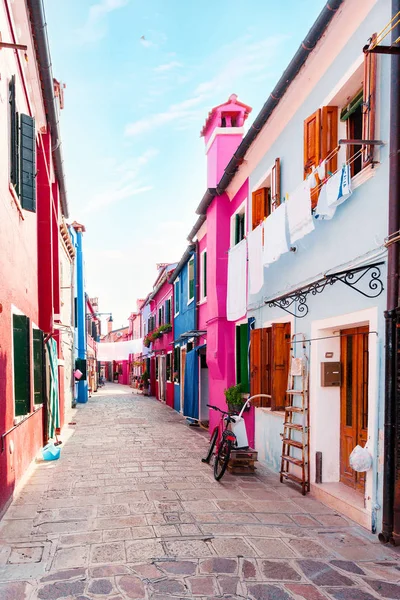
[324, 211]
[275, 242]
[236, 296]
[256, 269]
[338, 187]
[299, 215]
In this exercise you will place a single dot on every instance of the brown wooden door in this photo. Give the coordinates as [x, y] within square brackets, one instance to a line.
[353, 401]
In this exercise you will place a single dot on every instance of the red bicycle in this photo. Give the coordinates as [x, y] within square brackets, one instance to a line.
[223, 439]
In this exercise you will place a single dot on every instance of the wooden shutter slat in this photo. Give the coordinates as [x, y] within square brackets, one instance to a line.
[22, 388]
[255, 362]
[312, 150]
[369, 104]
[280, 364]
[38, 366]
[329, 136]
[259, 206]
[28, 163]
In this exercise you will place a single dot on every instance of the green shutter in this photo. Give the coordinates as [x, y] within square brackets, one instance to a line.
[28, 163]
[242, 348]
[22, 379]
[38, 366]
[191, 278]
[352, 106]
[177, 290]
[14, 136]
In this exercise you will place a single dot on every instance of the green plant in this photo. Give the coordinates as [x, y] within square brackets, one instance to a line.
[147, 341]
[165, 328]
[234, 398]
[145, 378]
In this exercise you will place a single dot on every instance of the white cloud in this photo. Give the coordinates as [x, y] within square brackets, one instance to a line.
[95, 27]
[146, 43]
[125, 180]
[182, 111]
[174, 64]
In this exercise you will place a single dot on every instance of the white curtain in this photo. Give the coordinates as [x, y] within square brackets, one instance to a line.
[108, 351]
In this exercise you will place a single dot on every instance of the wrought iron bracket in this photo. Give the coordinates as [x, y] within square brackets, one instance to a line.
[365, 280]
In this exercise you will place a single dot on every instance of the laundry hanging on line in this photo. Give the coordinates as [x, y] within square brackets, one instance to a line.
[275, 238]
[256, 268]
[236, 298]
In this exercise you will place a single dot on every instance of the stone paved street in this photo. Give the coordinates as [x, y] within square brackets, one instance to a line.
[129, 511]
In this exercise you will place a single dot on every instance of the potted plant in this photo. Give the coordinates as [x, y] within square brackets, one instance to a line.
[234, 398]
[147, 341]
[166, 328]
[146, 383]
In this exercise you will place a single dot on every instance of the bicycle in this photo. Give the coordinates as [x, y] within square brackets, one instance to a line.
[223, 439]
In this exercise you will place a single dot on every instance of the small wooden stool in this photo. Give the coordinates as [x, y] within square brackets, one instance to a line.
[241, 462]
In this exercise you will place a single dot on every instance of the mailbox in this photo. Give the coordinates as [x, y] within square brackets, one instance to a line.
[331, 373]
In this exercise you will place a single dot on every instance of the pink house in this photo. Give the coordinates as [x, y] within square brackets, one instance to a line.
[221, 225]
[160, 331]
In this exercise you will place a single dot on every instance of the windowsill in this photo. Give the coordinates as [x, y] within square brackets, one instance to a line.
[266, 409]
[190, 301]
[203, 301]
[176, 314]
[16, 200]
[363, 176]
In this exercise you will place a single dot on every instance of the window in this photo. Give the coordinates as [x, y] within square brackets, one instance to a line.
[240, 229]
[358, 110]
[177, 296]
[269, 364]
[22, 365]
[242, 349]
[177, 364]
[157, 359]
[161, 316]
[169, 366]
[22, 153]
[167, 309]
[268, 196]
[191, 280]
[203, 282]
[189, 346]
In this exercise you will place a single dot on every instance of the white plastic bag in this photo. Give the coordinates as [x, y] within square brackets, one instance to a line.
[360, 459]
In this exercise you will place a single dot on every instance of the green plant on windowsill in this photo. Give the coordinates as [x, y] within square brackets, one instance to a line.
[166, 328]
[234, 398]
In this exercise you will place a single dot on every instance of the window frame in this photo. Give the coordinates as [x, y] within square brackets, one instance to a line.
[238, 356]
[190, 262]
[169, 359]
[177, 297]
[241, 210]
[29, 402]
[177, 365]
[203, 275]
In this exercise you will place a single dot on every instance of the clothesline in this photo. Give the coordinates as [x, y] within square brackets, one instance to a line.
[347, 162]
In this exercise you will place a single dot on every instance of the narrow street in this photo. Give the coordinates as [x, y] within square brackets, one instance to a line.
[129, 511]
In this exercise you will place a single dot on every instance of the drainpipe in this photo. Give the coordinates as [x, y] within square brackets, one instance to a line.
[391, 483]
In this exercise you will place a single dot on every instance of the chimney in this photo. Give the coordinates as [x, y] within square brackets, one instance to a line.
[109, 324]
[223, 131]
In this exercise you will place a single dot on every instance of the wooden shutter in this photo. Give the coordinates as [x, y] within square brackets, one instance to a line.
[28, 163]
[38, 366]
[14, 136]
[312, 142]
[242, 357]
[276, 183]
[329, 136]
[369, 104]
[255, 362]
[259, 206]
[280, 364]
[22, 370]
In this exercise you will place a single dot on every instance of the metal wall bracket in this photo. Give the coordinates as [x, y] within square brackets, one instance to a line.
[365, 280]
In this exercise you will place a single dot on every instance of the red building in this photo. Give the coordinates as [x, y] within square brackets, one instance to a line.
[160, 336]
[32, 206]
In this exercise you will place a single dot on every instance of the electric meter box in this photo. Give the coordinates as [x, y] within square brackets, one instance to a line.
[331, 374]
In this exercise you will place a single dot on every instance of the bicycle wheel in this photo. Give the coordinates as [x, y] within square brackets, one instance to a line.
[222, 459]
[211, 447]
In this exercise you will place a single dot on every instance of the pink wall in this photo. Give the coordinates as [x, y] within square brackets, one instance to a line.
[203, 308]
[220, 332]
[163, 344]
[219, 155]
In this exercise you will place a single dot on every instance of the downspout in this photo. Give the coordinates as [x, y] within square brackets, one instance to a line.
[391, 484]
[39, 31]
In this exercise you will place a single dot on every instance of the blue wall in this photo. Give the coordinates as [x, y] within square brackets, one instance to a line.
[186, 320]
[81, 387]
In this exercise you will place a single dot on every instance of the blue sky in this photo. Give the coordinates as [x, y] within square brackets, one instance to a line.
[134, 108]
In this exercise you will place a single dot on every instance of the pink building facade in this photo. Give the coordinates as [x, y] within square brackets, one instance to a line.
[221, 225]
[160, 332]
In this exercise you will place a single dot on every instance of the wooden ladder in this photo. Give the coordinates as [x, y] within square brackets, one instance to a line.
[295, 463]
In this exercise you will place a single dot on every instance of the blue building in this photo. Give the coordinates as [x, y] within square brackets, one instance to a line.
[81, 386]
[187, 352]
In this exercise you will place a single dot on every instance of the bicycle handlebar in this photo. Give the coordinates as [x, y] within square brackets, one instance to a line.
[224, 412]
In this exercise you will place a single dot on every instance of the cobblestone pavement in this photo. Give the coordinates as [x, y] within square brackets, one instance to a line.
[130, 512]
